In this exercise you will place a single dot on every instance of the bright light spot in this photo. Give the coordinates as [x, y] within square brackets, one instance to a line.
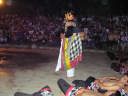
[1, 2]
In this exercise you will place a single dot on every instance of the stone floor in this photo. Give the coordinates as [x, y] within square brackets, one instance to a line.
[28, 70]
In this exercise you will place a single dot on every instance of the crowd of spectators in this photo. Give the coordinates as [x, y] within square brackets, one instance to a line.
[108, 30]
[99, 31]
[22, 29]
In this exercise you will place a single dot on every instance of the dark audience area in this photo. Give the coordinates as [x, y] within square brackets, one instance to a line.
[99, 31]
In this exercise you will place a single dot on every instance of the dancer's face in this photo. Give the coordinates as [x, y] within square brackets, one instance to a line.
[69, 16]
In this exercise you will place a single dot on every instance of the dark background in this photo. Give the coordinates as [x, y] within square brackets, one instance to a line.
[58, 7]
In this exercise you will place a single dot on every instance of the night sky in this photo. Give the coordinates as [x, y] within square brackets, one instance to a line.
[80, 6]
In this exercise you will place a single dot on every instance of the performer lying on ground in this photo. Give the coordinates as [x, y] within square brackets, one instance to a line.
[105, 85]
[45, 91]
[70, 90]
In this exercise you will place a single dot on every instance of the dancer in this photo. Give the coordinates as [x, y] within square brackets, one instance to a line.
[109, 86]
[45, 91]
[71, 90]
[71, 46]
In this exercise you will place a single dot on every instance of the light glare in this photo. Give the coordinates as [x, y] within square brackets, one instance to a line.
[1, 2]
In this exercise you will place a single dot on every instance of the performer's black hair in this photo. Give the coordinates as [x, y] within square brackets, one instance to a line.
[89, 80]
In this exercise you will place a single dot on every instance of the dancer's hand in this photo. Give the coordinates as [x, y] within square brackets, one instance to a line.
[62, 36]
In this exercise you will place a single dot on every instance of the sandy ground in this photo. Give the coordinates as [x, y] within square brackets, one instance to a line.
[28, 70]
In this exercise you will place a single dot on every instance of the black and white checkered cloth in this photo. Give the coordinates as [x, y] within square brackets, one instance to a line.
[75, 46]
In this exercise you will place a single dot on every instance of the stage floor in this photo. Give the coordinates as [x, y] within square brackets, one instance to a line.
[28, 70]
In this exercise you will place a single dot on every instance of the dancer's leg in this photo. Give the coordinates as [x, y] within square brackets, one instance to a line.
[71, 72]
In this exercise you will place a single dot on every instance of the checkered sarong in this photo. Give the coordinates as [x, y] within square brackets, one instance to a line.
[72, 51]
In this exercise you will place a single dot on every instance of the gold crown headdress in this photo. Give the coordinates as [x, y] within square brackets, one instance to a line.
[69, 16]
